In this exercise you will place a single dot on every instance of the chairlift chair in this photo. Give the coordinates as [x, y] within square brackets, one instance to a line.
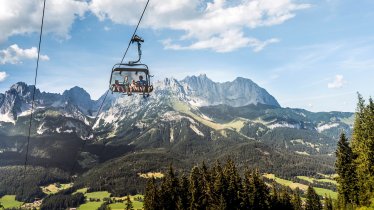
[132, 71]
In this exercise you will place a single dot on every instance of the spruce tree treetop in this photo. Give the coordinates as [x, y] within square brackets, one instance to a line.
[345, 168]
[363, 149]
[312, 200]
[128, 205]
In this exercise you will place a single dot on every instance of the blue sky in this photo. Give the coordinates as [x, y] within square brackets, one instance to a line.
[308, 54]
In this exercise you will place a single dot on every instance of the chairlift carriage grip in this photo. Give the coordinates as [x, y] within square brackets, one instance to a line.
[138, 40]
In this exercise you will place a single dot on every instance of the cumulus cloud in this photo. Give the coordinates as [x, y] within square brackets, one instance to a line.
[203, 25]
[19, 17]
[225, 42]
[211, 25]
[338, 82]
[160, 13]
[3, 75]
[14, 54]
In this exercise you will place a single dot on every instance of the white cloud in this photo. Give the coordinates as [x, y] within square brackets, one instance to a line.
[225, 42]
[160, 13]
[18, 17]
[14, 54]
[3, 75]
[205, 25]
[212, 25]
[337, 83]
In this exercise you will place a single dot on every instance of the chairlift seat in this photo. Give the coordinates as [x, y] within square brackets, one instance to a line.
[132, 71]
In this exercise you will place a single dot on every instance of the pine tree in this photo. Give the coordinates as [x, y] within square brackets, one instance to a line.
[222, 204]
[256, 193]
[234, 185]
[219, 188]
[345, 168]
[151, 197]
[196, 189]
[184, 195]
[128, 205]
[285, 199]
[363, 148]
[274, 197]
[327, 205]
[169, 191]
[247, 197]
[312, 200]
[206, 185]
[103, 206]
[280, 198]
[296, 200]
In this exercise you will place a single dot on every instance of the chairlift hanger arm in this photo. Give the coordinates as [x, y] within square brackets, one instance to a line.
[138, 40]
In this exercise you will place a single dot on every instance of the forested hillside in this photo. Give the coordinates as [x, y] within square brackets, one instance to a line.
[224, 187]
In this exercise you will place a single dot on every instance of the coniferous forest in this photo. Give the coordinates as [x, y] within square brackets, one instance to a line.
[223, 187]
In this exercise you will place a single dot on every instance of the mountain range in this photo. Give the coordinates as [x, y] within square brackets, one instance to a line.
[183, 122]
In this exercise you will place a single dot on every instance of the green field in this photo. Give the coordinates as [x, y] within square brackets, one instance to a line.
[121, 206]
[136, 204]
[306, 178]
[82, 190]
[54, 188]
[98, 195]
[117, 206]
[293, 185]
[90, 205]
[329, 176]
[284, 182]
[327, 180]
[9, 201]
[323, 192]
[312, 180]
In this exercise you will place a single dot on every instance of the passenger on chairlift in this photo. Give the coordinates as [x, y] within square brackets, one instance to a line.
[133, 86]
[142, 85]
[118, 87]
[142, 82]
[126, 84]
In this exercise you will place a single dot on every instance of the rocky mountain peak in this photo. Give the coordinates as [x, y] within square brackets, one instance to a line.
[22, 89]
[19, 86]
[240, 92]
[77, 93]
[195, 90]
[242, 79]
[201, 80]
[79, 97]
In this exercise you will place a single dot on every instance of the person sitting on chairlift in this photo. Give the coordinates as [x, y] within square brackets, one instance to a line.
[126, 84]
[133, 86]
[117, 87]
[142, 84]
